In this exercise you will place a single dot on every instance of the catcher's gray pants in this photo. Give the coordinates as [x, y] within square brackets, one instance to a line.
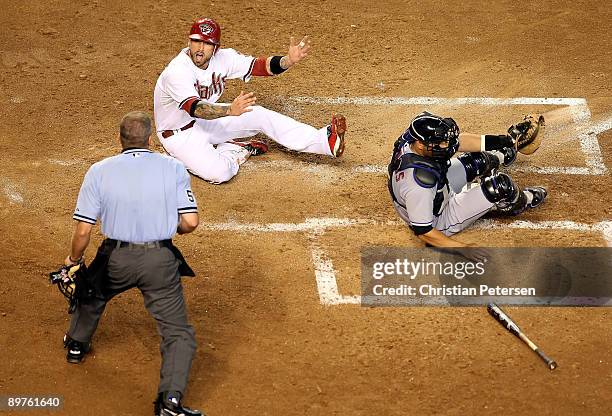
[464, 206]
[155, 272]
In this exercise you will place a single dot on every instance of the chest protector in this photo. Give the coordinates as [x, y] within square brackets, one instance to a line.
[428, 173]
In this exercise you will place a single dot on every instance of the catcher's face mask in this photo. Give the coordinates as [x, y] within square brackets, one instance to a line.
[443, 150]
[67, 279]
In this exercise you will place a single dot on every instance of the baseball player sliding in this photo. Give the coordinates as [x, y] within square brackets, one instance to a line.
[427, 184]
[200, 132]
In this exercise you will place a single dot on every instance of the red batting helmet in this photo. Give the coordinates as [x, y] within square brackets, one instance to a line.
[206, 30]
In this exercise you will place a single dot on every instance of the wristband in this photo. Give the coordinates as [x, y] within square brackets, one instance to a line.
[275, 65]
[496, 142]
[77, 261]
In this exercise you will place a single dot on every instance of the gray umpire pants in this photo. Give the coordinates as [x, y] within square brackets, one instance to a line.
[155, 272]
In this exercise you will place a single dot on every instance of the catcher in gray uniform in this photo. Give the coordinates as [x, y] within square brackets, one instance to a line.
[428, 185]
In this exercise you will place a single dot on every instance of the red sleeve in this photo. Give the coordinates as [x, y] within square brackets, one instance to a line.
[259, 67]
[188, 104]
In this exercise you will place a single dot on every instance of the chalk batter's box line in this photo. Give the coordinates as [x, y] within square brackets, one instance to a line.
[325, 274]
[579, 110]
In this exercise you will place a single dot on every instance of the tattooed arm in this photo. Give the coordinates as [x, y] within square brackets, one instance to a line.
[240, 105]
[210, 111]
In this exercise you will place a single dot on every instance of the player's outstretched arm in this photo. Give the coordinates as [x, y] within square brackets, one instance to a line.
[436, 238]
[297, 52]
[470, 142]
[275, 65]
[240, 105]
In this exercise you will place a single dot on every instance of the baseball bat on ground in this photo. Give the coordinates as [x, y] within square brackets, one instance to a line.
[509, 324]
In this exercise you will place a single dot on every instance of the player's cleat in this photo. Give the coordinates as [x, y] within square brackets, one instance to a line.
[335, 134]
[538, 195]
[169, 404]
[76, 350]
[528, 198]
[509, 155]
[254, 147]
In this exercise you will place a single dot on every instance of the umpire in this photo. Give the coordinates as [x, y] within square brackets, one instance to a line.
[142, 199]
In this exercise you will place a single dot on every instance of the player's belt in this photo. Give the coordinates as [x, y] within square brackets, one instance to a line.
[167, 133]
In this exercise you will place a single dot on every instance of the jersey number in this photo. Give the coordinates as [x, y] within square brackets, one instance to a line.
[190, 196]
[399, 176]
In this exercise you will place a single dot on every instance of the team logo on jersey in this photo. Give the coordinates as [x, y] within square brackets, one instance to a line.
[216, 87]
[206, 29]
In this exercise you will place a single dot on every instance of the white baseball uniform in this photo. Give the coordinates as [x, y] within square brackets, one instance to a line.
[203, 148]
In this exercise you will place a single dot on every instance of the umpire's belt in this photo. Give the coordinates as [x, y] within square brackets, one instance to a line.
[167, 133]
[151, 244]
[109, 244]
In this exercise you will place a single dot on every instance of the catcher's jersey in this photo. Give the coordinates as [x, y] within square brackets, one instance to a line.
[182, 80]
[417, 204]
[138, 196]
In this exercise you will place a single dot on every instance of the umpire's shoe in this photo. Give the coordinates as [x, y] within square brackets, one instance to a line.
[335, 134]
[76, 350]
[168, 403]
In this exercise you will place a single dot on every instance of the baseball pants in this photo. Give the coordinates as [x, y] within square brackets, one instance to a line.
[154, 271]
[464, 206]
[195, 147]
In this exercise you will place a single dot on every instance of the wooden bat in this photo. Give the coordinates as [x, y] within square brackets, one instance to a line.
[509, 324]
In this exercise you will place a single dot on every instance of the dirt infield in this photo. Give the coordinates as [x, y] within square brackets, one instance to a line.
[267, 343]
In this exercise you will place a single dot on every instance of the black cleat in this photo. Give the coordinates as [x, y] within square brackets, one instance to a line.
[76, 350]
[538, 193]
[169, 404]
[509, 155]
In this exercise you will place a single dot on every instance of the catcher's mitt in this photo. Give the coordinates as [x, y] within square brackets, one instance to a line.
[68, 279]
[528, 133]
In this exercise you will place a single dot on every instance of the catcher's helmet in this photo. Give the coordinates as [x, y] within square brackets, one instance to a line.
[433, 131]
[206, 30]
